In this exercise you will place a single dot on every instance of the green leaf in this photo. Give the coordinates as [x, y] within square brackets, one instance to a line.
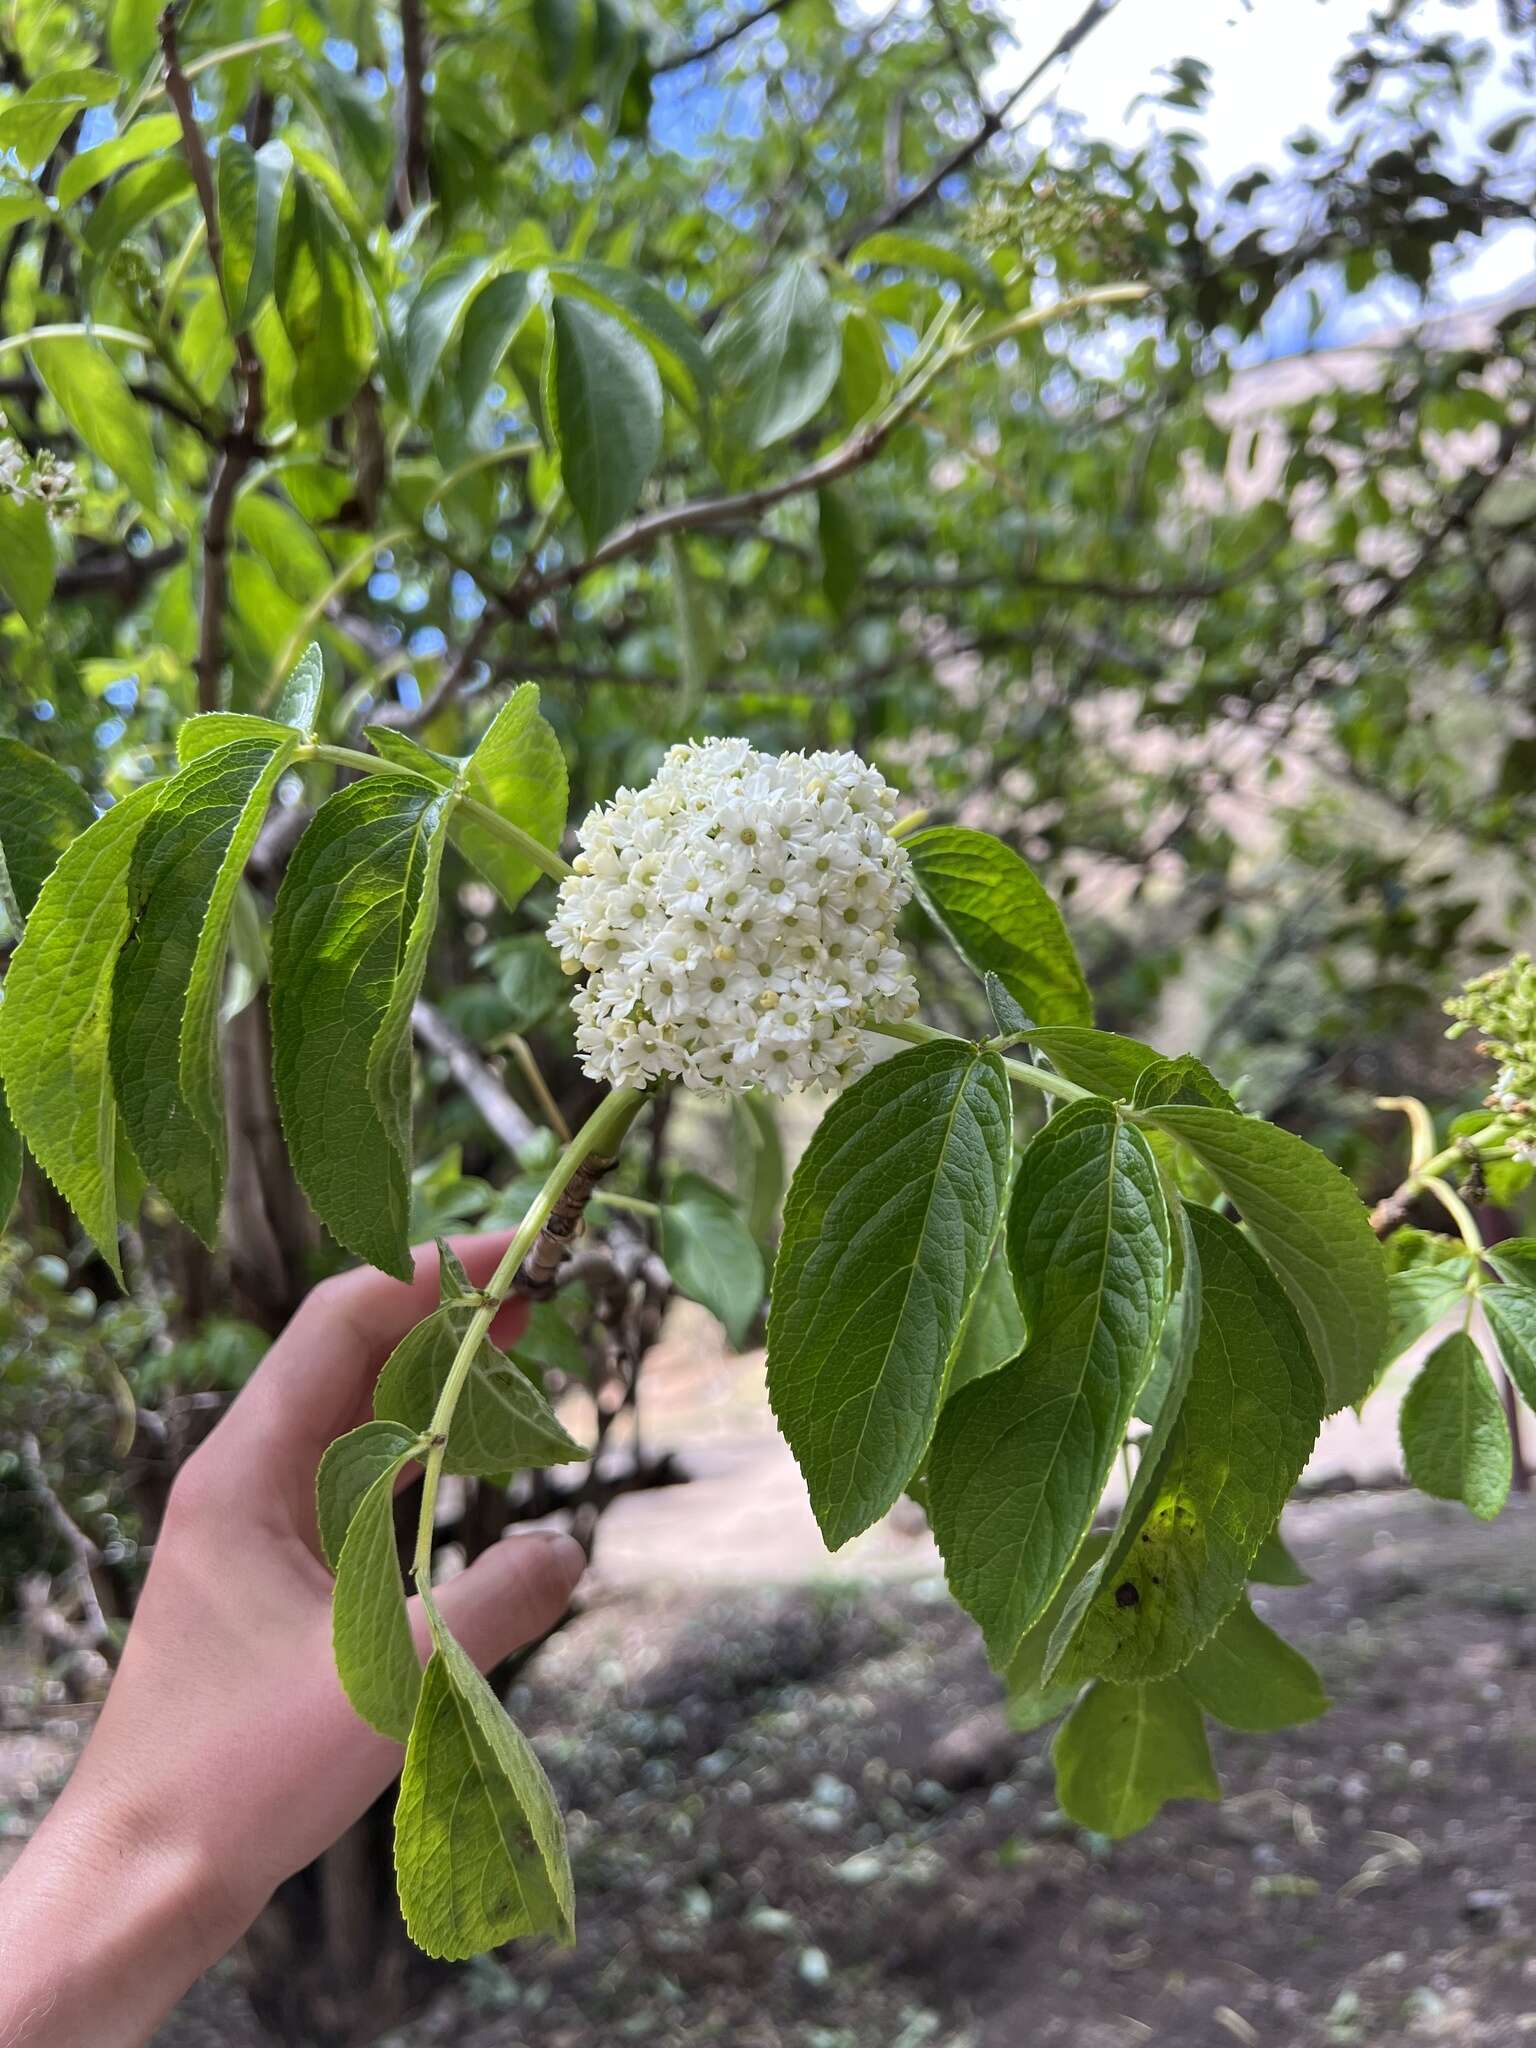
[480, 1853]
[27, 565]
[42, 810]
[435, 317]
[1513, 1258]
[144, 138]
[1033, 1699]
[502, 1422]
[491, 325]
[12, 1159]
[376, 1659]
[1249, 1678]
[1125, 1750]
[603, 397]
[842, 544]
[1101, 1060]
[1416, 1300]
[1020, 1458]
[1511, 1313]
[298, 701]
[251, 185]
[33, 124]
[1001, 920]
[889, 1221]
[132, 37]
[1011, 1019]
[347, 940]
[1455, 1436]
[759, 1161]
[530, 978]
[300, 567]
[517, 770]
[350, 1466]
[775, 355]
[202, 735]
[932, 255]
[136, 197]
[169, 982]
[650, 315]
[1183, 1080]
[93, 395]
[1273, 1564]
[994, 1329]
[1312, 1227]
[324, 307]
[711, 1254]
[56, 1021]
[1236, 1444]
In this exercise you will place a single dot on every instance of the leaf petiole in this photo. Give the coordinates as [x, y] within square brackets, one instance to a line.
[1032, 1077]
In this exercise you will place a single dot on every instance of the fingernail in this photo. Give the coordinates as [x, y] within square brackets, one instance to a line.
[567, 1560]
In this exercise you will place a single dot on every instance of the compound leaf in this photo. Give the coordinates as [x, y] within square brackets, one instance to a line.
[888, 1223]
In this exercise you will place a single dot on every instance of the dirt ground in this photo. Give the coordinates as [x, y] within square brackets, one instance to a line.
[797, 1820]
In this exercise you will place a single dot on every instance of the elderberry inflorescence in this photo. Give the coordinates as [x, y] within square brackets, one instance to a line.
[736, 920]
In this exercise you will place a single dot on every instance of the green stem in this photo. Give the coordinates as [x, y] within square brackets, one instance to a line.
[600, 1134]
[1456, 1209]
[543, 857]
[1032, 1077]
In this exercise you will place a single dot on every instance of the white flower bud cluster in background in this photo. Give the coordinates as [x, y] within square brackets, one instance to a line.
[44, 476]
[736, 919]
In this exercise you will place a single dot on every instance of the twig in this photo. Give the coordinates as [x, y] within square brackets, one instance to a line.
[539, 1275]
[992, 124]
[683, 58]
[411, 185]
[508, 1122]
[84, 1555]
[240, 444]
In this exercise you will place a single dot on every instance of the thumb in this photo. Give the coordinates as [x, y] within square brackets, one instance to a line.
[513, 1593]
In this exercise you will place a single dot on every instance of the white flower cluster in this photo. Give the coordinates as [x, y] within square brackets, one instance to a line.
[44, 475]
[736, 920]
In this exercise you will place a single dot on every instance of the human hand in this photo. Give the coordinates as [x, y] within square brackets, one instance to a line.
[227, 1756]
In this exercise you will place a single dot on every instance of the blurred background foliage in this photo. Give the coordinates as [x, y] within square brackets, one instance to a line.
[1219, 609]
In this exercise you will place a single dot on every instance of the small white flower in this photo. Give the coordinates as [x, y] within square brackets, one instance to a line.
[736, 921]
